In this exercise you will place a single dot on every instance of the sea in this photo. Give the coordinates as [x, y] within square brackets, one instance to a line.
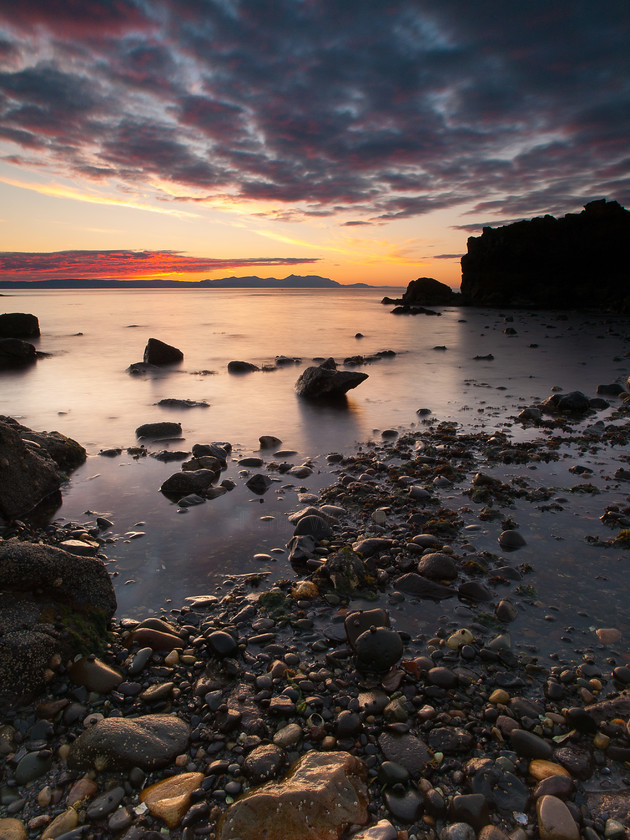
[475, 368]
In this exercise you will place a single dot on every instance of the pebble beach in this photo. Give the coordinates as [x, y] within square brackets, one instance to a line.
[392, 681]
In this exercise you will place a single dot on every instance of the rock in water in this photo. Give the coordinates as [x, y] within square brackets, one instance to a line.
[159, 430]
[326, 382]
[323, 794]
[150, 742]
[158, 353]
[15, 353]
[18, 325]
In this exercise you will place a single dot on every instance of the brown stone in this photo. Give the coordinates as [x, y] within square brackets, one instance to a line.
[323, 794]
[170, 799]
[95, 675]
[12, 829]
[155, 639]
[554, 820]
[540, 769]
[60, 825]
[81, 790]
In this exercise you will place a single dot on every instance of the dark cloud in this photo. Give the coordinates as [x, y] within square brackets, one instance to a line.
[18, 265]
[386, 111]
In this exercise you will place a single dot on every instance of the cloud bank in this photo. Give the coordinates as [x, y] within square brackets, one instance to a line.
[119, 265]
[383, 111]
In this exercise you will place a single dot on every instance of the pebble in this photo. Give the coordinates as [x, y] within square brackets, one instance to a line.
[554, 820]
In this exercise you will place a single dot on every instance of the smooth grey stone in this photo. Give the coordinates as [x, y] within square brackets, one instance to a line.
[405, 807]
[530, 745]
[31, 767]
[106, 803]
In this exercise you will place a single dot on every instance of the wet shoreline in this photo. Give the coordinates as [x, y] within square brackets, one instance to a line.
[469, 673]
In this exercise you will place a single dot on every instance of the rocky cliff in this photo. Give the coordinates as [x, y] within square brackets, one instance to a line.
[577, 261]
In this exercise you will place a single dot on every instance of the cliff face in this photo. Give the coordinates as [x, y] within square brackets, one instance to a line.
[579, 260]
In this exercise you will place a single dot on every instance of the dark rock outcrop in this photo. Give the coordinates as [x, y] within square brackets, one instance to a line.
[237, 366]
[579, 260]
[425, 291]
[51, 602]
[18, 325]
[32, 466]
[15, 353]
[162, 429]
[158, 353]
[326, 382]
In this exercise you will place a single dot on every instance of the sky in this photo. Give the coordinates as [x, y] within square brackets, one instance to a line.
[361, 140]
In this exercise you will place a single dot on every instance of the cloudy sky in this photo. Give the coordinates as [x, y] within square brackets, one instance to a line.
[363, 140]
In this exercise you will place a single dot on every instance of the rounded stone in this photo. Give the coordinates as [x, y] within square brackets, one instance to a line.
[221, 643]
[554, 820]
[377, 649]
[511, 539]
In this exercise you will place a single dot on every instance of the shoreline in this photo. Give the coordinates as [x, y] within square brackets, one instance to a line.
[250, 669]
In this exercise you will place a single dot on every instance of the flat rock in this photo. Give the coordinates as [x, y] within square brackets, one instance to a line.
[150, 742]
[323, 794]
[422, 587]
[407, 750]
[163, 429]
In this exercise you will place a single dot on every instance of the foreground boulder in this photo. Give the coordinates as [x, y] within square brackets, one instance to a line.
[15, 353]
[19, 325]
[33, 467]
[51, 602]
[323, 794]
[149, 741]
[579, 260]
[326, 382]
[158, 353]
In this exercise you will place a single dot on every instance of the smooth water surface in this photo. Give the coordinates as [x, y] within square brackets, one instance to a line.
[84, 390]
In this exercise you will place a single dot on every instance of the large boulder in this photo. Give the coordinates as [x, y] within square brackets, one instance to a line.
[326, 382]
[51, 602]
[31, 464]
[149, 741]
[15, 353]
[18, 325]
[321, 797]
[158, 353]
[425, 291]
[579, 260]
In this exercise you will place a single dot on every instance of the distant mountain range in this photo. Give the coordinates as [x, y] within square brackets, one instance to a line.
[293, 281]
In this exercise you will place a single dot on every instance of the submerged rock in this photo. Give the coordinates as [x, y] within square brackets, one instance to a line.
[15, 353]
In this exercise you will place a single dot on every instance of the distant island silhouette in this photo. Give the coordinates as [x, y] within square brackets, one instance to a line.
[293, 281]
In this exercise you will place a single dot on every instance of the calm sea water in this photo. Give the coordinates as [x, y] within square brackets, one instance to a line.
[83, 389]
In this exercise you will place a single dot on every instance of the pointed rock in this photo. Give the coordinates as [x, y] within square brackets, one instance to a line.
[169, 799]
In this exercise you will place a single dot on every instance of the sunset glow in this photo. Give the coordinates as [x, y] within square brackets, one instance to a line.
[362, 142]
